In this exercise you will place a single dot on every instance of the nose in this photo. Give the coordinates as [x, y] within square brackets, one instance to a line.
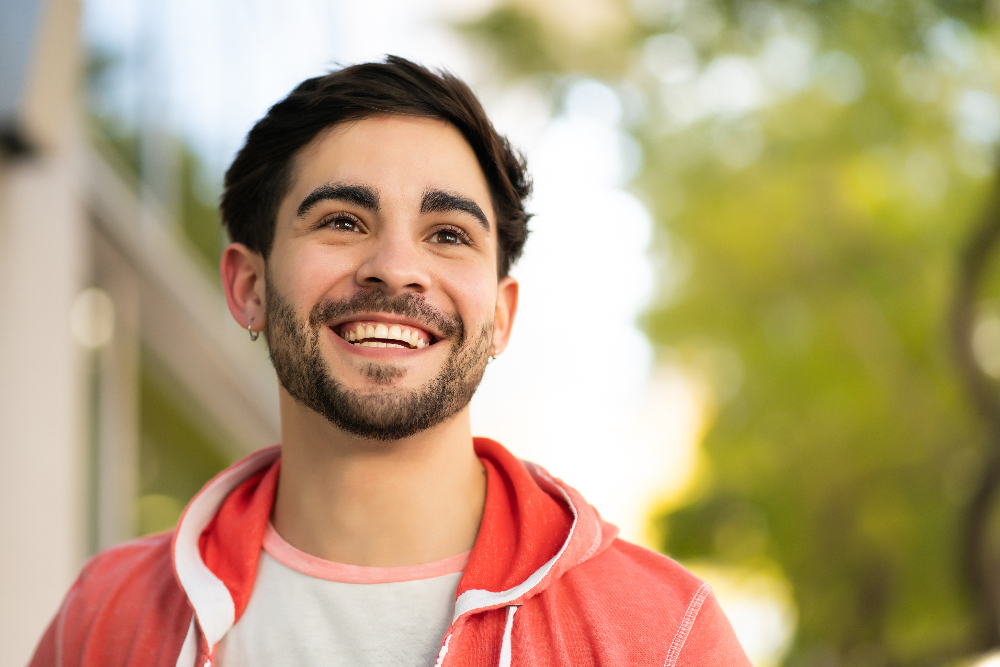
[395, 264]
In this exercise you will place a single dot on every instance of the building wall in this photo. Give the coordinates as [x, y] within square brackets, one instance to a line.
[43, 420]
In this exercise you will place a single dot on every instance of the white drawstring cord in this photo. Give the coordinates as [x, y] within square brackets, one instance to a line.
[443, 652]
[505, 646]
[189, 649]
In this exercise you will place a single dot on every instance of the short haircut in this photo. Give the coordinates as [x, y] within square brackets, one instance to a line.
[261, 174]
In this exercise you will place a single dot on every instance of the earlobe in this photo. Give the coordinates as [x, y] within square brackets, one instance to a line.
[242, 273]
[506, 309]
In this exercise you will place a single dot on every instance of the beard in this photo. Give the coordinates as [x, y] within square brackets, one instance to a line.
[382, 414]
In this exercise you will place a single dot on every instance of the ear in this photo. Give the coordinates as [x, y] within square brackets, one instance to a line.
[242, 271]
[503, 318]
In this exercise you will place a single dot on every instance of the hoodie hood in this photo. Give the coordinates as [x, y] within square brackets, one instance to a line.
[535, 528]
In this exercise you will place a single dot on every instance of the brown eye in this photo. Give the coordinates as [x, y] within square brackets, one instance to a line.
[343, 224]
[451, 236]
[447, 237]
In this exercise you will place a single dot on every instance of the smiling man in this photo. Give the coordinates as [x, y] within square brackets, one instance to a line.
[375, 214]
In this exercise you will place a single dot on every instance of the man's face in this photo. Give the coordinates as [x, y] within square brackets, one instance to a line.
[382, 280]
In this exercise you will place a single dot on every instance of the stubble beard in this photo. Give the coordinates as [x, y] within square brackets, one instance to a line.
[382, 414]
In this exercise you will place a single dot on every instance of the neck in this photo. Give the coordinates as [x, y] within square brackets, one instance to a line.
[378, 504]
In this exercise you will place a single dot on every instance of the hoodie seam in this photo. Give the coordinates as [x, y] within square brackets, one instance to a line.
[597, 542]
[686, 624]
[598, 537]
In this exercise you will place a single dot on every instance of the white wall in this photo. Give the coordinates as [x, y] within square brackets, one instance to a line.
[42, 407]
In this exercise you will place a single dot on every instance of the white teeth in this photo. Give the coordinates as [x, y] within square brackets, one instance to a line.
[410, 338]
[372, 343]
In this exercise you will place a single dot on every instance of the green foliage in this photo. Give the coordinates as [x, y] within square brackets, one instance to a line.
[199, 212]
[194, 208]
[848, 433]
[197, 215]
[523, 36]
[176, 458]
[810, 246]
[531, 43]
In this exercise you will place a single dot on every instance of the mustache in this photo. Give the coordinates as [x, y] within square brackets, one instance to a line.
[374, 300]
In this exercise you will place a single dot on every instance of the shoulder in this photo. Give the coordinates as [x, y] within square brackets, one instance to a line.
[122, 576]
[644, 574]
[139, 556]
[125, 606]
[655, 596]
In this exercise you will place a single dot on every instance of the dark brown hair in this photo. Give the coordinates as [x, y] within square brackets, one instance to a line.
[261, 174]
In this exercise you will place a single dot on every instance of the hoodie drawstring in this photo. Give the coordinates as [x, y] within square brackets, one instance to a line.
[189, 649]
[505, 646]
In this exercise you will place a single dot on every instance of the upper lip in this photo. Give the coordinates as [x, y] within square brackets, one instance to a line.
[387, 319]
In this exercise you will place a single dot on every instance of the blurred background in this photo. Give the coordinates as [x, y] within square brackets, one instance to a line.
[760, 318]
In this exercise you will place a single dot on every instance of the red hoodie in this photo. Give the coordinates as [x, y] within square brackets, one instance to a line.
[548, 583]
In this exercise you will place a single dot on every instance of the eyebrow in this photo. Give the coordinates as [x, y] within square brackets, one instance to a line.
[361, 195]
[438, 200]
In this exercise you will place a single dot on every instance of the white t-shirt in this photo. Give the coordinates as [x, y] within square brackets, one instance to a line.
[305, 612]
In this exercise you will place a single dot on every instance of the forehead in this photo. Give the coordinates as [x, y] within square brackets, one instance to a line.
[399, 156]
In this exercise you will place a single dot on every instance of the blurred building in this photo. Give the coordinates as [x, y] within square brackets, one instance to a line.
[117, 354]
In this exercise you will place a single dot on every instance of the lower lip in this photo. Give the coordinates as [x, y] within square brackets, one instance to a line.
[378, 352]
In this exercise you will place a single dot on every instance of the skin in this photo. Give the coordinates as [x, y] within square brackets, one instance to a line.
[340, 497]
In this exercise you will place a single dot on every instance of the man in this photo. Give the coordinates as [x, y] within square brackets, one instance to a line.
[375, 213]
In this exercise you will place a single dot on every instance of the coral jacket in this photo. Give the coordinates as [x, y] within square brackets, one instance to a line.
[548, 583]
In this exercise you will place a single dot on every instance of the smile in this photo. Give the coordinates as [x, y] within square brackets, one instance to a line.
[380, 334]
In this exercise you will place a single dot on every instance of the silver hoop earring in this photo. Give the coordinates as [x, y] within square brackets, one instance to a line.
[254, 335]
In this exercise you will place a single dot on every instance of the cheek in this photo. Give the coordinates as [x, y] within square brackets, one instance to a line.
[315, 272]
[474, 291]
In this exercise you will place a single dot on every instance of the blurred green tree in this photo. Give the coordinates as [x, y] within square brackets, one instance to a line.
[822, 177]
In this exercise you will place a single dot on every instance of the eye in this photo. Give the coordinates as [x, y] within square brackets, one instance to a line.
[450, 236]
[342, 223]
